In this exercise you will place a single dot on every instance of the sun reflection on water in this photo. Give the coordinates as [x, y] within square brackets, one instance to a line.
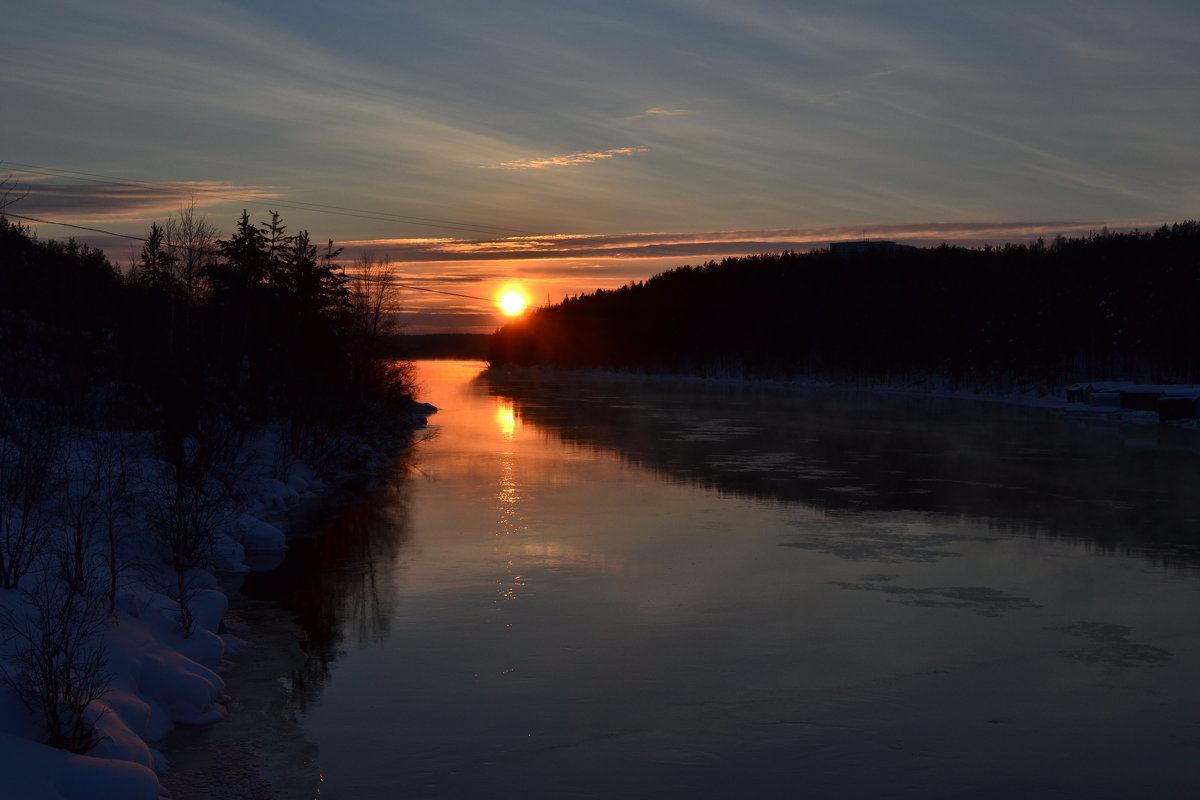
[510, 519]
[506, 418]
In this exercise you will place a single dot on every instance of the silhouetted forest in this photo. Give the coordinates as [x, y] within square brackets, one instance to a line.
[1105, 306]
[199, 333]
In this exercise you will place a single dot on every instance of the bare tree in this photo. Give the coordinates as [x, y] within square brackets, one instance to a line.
[28, 450]
[191, 241]
[54, 659]
[185, 514]
[93, 495]
[112, 478]
[188, 501]
[375, 297]
[78, 514]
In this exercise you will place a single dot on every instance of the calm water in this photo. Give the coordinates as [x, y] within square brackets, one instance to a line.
[629, 588]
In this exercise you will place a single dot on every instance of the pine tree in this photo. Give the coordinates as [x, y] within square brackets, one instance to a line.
[245, 258]
[155, 265]
[314, 282]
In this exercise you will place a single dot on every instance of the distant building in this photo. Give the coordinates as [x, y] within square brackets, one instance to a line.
[869, 247]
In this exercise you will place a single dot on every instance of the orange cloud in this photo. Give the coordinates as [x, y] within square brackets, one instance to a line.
[569, 160]
[714, 244]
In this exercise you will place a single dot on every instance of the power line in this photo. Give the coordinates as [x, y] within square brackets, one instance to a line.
[660, 250]
[70, 225]
[440, 291]
[296, 205]
[142, 239]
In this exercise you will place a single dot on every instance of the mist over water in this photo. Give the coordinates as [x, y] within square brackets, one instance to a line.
[602, 586]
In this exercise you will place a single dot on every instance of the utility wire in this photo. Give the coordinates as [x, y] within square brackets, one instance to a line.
[441, 291]
[69, 225]
[658, 250]
[297, 205]
[210, 252]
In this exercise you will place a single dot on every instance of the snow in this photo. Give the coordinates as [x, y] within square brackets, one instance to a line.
[158, 678]
[1028, 395]
[254, 534]
[36, 772]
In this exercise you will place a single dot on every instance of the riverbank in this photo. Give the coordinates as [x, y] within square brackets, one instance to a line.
[258, 752]
[1030, 395]
[159, 681]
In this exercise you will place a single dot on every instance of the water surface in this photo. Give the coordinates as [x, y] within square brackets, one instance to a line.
[607, 587]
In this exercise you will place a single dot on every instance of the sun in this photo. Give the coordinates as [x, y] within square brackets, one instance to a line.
[512, 302]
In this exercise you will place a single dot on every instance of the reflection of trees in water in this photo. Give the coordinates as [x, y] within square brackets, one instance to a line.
[1020, 470]
[337, 581]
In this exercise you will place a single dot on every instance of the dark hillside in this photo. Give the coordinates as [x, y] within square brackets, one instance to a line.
[1106, 306]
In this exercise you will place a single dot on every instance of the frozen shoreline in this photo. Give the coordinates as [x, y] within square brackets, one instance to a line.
[259, 749]
[1030, 396]
[160, 679]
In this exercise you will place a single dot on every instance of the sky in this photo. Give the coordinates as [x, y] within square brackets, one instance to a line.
[564, 146]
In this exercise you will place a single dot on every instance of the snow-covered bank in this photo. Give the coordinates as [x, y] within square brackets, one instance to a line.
[162, 653]
[1076, 399]
[259, 749]
[1030, 395]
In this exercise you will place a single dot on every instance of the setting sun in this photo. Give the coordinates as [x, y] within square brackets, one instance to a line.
[512, 302]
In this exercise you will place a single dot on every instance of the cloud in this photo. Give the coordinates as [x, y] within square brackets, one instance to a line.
[569, 160]
[720, 243]
[557, 266]
[846, 115]
[121, 201]
[662, 112]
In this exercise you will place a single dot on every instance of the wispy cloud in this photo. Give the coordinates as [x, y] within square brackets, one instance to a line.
[662, 112]
[682, 246]
[568, 160]
[101, 202]
[558, 266]
[749, 114]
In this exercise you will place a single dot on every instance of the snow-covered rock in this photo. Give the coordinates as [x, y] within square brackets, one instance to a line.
[255, 534]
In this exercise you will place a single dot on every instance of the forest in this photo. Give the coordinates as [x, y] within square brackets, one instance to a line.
[144, 413]
[1108, 306]
[262, 326]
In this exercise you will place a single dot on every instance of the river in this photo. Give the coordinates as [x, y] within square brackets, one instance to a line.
[608, 587]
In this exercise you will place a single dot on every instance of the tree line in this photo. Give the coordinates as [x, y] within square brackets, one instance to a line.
[1100, 307]
[261, 325]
